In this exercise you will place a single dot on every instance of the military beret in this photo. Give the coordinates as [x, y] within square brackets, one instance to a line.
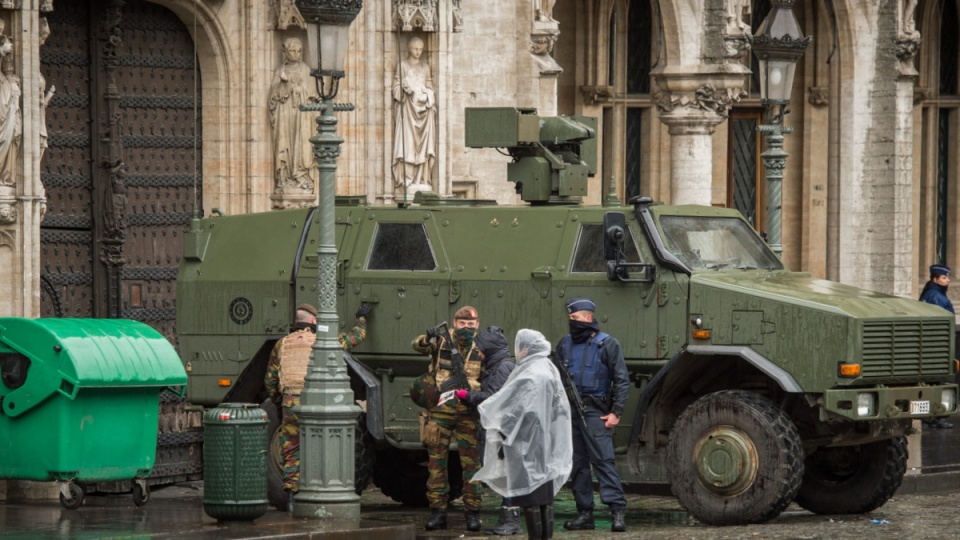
[580, 304]
[308, 308]
[466, 313]
[939, 270]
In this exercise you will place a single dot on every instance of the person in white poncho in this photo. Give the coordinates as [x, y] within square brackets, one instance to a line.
[529, 440]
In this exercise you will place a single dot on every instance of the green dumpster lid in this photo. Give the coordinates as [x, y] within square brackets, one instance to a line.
[68, 354]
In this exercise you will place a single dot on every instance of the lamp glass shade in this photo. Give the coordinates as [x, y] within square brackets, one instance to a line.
[332, 42]
[776, 78]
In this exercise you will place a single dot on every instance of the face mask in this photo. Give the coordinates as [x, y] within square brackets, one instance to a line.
[581, 331]
[465, 336]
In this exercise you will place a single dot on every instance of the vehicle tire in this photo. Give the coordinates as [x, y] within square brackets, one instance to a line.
[853, 479]
[363, 466]
[77, 494]
[734, 458]
[402, 475]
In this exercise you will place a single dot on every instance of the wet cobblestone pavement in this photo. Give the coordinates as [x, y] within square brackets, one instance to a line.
[924, 507]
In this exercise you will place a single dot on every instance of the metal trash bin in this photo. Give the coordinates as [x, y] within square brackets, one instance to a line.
[80, 401]
[235, 462]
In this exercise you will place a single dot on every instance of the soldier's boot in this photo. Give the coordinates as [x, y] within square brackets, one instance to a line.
[472, 518]
[509, 523]
[619, 523]
[290, 496]
[583, 522]
[546, 517]
[534, 523]
[438, 519]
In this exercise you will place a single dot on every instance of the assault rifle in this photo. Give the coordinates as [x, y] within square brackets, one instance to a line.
[459, 379]
[576, 402]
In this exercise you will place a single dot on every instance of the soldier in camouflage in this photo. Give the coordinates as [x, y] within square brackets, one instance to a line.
[286, 370]
[452, 417]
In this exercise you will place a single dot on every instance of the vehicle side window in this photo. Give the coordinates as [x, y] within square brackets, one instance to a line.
[588, 256]
[401, 246]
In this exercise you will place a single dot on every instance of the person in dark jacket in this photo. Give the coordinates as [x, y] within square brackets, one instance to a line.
[935, 292]
[497, 366]
[595, 362]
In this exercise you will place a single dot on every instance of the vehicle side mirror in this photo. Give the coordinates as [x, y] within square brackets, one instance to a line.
[614, 224]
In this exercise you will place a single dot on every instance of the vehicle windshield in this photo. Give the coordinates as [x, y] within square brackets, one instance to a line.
[712, 243]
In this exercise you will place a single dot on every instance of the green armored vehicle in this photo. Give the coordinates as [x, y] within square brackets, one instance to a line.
[754, 386]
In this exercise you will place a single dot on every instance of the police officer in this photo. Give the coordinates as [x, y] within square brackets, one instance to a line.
[284, 379]
[595, 362]
[935, 292]
[452, 418]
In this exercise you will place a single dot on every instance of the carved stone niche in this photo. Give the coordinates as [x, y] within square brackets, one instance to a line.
[595, 95]
[412, 14]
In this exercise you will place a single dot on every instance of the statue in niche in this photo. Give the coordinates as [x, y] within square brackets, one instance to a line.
[295, 166]
[45, 94]
[11, 123]
[735, 14]
[415, 134]
[544, 9]
[908, 21]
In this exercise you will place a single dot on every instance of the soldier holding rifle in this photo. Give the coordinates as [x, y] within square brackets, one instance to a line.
[592, 363]
[456, 365]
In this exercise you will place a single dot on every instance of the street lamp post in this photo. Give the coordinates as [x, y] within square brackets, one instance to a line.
[778, 44]
[327, 411]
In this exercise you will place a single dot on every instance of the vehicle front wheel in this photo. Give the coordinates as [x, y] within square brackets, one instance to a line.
[853, 479]
[734, 458]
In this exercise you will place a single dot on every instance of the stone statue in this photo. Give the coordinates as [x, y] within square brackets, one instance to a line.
[11, 123]
[544, 9]
[414, 137]
[735, 13]
[8, 213]
[295, 167]
[908, 24]
[45, 94]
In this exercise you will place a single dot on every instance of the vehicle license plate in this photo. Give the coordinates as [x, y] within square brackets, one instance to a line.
[919, 407]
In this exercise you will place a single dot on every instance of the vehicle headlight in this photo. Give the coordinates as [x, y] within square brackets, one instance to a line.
[866, 405]
[949, 400]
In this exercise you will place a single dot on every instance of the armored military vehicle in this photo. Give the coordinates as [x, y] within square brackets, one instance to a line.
[753, 386]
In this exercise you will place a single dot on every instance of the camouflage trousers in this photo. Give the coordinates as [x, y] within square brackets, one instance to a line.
[290, 449]
[460, 425]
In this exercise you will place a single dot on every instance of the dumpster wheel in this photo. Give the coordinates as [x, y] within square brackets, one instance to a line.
[141, 492]
[74, 495]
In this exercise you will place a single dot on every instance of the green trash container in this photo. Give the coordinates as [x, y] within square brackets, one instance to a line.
[235, 462]
[80, 401]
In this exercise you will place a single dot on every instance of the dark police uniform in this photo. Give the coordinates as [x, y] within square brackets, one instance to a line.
[597, 368]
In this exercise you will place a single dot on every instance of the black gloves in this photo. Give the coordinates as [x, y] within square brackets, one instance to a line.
[434, 332]
[364, 310]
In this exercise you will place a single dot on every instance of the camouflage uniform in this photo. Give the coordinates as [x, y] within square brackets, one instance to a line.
[290, 424]
[459, 422]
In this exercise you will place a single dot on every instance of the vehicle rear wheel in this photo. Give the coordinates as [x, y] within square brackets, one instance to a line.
[363, 464]
[402, 475]
[734, 458]
[853, 479]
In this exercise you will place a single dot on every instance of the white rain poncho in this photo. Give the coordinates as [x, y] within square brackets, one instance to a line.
[529, 418]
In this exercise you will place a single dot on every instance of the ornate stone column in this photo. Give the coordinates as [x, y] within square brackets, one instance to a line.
[692, 101]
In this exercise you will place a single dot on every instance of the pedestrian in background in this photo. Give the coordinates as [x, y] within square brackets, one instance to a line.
[529, 441]
[286, 370]
[452, 418]
[497, 366]
[935, 292]
[596, 365]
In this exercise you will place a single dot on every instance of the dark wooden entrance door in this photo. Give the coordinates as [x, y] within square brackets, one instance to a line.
[120, 172]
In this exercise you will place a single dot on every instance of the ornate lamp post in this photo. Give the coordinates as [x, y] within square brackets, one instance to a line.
[778, 44]
[327, 410]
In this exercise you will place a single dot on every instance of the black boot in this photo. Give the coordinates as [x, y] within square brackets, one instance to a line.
[509, 523]
[438, 519]
[290, 495]
[546, 517]
[583, 522]
[619, 520]
[473, 520]
[534, 523]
